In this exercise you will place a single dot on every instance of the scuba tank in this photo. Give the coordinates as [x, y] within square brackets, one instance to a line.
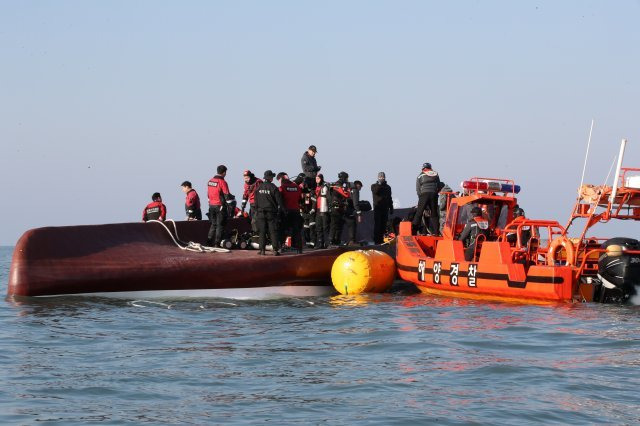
[618, 271]
[228, 244]
[244, 241]
[323, 197]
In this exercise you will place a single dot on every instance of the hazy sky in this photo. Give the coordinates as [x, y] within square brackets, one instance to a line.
[104, 103]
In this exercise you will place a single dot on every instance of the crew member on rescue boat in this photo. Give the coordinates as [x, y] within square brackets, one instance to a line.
[268, 205]
[192, 202]
[251, 184]
[218, 194]
[477, 225]
[525, 231]
[427, 187]
[292, 220]
[155, 210]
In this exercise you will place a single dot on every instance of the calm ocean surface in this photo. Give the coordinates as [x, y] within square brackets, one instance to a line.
[396, 358]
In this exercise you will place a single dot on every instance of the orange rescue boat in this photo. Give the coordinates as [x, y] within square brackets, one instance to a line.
[523, 259]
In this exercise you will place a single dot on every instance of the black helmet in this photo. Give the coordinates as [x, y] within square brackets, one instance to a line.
[156, 197]
[517, 212]
[426, 165]
[343, 175]
[269, 174]
[299, 179]
[476, 211]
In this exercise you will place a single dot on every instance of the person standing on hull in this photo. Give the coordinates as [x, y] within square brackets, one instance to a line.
[427, 187]
[218, 193]
[308, 211]
[192, 202]
[251, 184]
[155, 210]
[340, 193]
[323, 202]
[477, 225]
[292, 221]
[310, 166]
[382, 207]
[353, 213]
[268, 202]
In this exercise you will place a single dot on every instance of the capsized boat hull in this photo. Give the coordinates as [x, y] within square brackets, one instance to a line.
[141, 259]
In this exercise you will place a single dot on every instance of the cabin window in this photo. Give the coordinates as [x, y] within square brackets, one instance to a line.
[543, 233]
[453, 211]
[502, 218]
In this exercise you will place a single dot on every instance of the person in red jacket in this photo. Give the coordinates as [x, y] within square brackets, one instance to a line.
[292, 199]
[251, 184]
[155, 210]
[192, 202]
[218, 194]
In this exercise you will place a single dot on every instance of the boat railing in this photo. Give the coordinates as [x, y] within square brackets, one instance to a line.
[587, 258]
[480, 238]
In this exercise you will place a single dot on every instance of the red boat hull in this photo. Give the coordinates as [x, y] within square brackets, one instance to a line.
[142, 257]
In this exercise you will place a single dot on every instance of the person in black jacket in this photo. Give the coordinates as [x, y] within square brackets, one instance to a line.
[477, 225]
[310, 166]
[427, 187]
[268, 204]
[382, 207]
[353, 214]
[340, 195]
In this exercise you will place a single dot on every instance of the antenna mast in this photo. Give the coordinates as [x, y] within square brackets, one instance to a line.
[584, 168]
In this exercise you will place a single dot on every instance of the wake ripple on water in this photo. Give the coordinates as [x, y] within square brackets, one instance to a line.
[387, 359]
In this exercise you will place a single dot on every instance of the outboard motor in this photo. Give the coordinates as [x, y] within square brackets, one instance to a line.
[618, 270]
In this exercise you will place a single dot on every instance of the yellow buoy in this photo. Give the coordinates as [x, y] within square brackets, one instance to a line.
[361, 271]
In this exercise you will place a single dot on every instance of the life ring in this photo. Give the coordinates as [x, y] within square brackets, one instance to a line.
[554, 248]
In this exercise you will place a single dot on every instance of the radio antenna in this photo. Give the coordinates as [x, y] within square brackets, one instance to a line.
[584, 168]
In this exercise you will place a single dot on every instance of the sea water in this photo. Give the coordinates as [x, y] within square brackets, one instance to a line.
[399, 358]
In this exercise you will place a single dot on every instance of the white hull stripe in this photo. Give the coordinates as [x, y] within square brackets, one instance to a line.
[228, 293]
